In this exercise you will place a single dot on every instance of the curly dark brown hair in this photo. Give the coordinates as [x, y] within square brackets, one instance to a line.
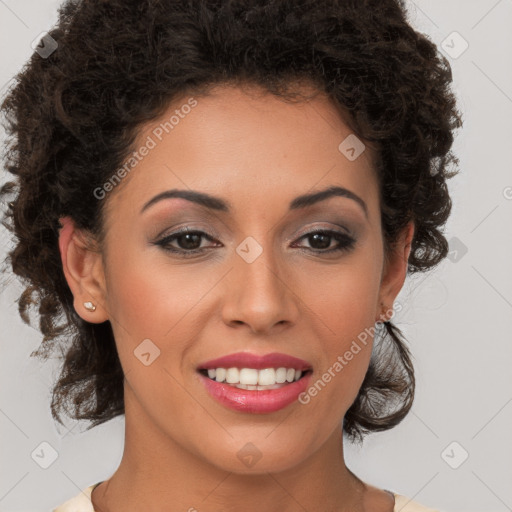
[73, 117]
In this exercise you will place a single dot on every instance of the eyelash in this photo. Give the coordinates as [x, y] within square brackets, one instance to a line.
[346, 243]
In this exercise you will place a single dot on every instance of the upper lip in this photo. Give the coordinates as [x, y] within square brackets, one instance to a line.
[259, 362]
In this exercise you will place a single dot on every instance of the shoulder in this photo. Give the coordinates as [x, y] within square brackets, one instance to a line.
[79, 503]
[405, 504]
[377, 498]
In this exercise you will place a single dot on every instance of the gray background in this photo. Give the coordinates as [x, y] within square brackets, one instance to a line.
[458, 318]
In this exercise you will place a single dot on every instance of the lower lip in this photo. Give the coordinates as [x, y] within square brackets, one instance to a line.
[256, 401]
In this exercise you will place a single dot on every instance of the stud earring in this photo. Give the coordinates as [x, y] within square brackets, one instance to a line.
[89, 306]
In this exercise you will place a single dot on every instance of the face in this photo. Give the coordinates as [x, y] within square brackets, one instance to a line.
[259, 272]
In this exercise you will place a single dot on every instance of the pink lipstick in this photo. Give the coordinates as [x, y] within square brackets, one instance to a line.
[271, 382]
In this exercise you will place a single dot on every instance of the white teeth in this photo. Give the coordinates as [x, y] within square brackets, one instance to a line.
[280, 375]
[232, 376]
[267, 377]
[252, 388]
[250, 378]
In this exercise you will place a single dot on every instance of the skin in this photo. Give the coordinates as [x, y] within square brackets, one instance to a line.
[259, 153]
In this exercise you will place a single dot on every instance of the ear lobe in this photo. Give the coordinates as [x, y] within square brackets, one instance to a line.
[396, 270]
[83, 270]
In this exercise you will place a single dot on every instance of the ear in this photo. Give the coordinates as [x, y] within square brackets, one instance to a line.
[83, 269]
[394, 274]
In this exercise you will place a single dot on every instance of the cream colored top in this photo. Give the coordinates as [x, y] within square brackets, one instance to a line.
[82, 503]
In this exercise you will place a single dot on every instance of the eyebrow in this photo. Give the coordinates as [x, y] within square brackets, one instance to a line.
[216, 203]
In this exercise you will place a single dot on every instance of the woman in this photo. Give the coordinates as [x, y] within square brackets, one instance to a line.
[216, 204]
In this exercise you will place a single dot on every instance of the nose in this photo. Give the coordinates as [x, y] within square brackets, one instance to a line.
[260, 295]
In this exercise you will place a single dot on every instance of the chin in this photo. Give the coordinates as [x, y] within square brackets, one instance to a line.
[257, 457]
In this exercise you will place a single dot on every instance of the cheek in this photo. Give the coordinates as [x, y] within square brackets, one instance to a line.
[151, 318]
[344, 301]
[345, 296]
[149, 298]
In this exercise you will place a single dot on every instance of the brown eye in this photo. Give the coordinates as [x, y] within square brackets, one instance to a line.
[187, 241]
[322, 239]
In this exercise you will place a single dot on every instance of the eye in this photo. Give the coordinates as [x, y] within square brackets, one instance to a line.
[321, 240]
[188, 241]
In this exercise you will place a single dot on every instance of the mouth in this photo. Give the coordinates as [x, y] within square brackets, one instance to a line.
[268, 395]
[253, 379]
[254, 383]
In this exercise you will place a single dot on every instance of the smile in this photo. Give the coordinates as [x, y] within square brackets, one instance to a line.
[255, 383]
[254, 379]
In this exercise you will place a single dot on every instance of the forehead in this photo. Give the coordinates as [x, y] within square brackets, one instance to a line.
[248, 143]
